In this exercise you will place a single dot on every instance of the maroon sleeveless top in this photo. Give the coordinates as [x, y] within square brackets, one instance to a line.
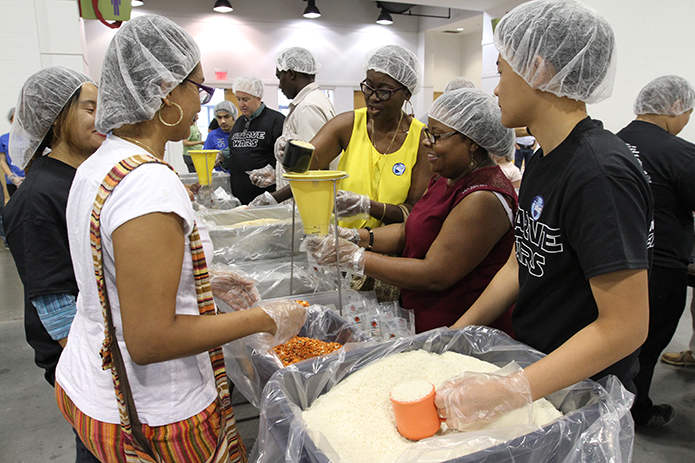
[434, 309]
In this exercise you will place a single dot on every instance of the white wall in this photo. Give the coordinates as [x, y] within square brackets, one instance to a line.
[249, 47]
[35, 34]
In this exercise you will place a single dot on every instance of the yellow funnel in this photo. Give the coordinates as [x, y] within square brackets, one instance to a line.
[313, 192]
[204, 162]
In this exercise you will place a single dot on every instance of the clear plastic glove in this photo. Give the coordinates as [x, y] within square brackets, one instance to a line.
[322, 252]
[350, 234]
[263, 177]
[472, 400]
[15, 179]
[351, 204]
[289, 317]
[266, 199]
[235, 289]
[279, 147]
[222, 156]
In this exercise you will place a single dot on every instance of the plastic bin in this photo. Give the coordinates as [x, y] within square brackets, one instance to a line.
[596, 425]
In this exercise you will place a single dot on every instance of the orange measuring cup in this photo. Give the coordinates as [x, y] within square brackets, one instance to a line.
[416, 419]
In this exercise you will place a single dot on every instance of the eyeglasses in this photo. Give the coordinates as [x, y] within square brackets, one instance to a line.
[205, 91]
[382, 94]
[432, 138]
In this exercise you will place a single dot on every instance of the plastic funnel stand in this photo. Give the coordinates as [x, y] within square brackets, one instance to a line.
[204, 162]
[313, 192]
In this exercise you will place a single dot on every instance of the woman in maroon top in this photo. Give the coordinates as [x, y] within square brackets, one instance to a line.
[459, 234]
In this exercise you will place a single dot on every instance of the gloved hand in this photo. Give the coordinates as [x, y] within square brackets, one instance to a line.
[266, 199]
[238, 291]
[350, 234]
[222, 156]
[280, 145]
[15, 179]
[351, 204]
[263, 177]
[471, 400]
[322, 252]
[289, 317]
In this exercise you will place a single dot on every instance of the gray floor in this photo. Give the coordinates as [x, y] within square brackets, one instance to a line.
[32, 429]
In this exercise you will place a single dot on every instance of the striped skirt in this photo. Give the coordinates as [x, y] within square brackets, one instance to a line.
[189, 441]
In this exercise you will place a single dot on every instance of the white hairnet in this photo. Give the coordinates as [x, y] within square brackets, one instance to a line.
[10, 115]
[667, 95]
[457, 83]
[297, 59]
[42, 98]
[475, 114]
[575, 43]
[249, 84]
[226, 106]
[398, 63]
[146, 59]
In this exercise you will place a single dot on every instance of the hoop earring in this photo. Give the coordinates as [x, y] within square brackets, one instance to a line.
[412, 109]
[175, 123]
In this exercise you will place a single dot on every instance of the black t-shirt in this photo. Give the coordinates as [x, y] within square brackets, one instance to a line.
[585, 210]
[670, 165]
[37, 233]
[251, 145]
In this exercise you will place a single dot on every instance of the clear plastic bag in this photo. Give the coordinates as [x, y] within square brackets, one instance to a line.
[596, 425]
[250, 368]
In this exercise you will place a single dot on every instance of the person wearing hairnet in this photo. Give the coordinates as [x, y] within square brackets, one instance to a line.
[252, 139]
[309, 110]
[454, 84]
[663, 108]
[380, 145]
[55, 110]
[583, 230]
[14, 175]
[145, 302]
[459, 234]
[226, 114]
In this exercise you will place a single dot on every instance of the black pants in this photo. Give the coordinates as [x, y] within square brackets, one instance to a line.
[667, 294]
[522, 155]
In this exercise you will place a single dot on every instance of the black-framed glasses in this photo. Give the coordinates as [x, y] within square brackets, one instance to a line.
[432, 138]
[382, 94]
[204, 91]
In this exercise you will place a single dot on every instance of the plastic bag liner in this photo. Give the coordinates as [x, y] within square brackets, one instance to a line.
[596, 425]
[250, 369]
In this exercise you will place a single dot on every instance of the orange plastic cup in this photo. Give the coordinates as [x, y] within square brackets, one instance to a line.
[417, 419]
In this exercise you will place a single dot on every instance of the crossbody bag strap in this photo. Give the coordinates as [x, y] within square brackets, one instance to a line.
[140, 449]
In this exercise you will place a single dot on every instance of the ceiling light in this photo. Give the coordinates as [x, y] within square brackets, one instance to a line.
[384, 18]
[137, 3]
[311, 12]
[223, 6]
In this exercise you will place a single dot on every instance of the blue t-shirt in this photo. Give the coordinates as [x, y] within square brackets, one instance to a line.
[218, 139]
[5, 148]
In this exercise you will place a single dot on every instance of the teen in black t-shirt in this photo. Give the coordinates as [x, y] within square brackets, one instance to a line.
[579, 274]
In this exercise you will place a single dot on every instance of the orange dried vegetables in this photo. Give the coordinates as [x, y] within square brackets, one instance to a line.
[299, 348]
[302, 303]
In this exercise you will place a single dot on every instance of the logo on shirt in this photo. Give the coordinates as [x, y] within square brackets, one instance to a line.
[399, 169]
[534, 242]
[537, 207]
[247, 139]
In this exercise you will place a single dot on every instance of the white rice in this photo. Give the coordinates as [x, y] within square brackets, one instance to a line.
[356, 416]
[410, 391]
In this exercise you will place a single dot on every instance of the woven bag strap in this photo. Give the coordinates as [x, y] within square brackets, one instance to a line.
[140, 449]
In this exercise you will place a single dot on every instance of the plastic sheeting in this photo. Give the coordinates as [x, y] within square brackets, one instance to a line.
[260, 233]
[596, 425]
[250, 369]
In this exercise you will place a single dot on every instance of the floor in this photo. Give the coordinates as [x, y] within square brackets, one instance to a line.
[42, 435]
